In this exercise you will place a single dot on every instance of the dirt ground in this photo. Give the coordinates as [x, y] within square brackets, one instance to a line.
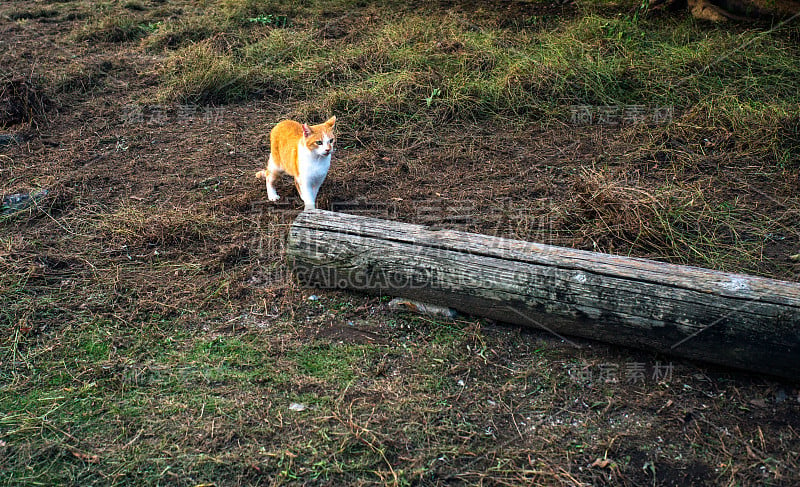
[131, 179]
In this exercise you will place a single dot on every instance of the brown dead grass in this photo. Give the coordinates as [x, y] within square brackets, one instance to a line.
[22, 101]
[151, 333]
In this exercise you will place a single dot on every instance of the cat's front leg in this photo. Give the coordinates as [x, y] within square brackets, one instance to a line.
[308, 194]
[308, 199]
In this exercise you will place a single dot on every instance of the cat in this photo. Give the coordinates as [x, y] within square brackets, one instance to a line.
[303, 152]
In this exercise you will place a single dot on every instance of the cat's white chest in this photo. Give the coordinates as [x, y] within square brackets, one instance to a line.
[312, 168]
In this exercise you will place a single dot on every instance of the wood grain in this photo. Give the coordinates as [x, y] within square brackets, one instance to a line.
[734, 320]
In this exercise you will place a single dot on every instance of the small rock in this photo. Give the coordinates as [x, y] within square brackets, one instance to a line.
[8, 139]
[296, 406]
[18, 202]
[401, 304]
[461, 382]
[313, 297]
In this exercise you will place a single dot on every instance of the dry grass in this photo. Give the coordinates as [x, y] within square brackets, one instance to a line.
[23, 101]
[687, 224]
[113, 30]
[150, 330]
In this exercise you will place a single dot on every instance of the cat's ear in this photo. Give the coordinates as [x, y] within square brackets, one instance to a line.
[306, 130]
[331, 122]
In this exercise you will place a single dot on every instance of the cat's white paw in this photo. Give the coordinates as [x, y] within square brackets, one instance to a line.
[273, 197]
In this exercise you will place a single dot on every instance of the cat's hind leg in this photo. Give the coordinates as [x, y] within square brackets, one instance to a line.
[271, 175]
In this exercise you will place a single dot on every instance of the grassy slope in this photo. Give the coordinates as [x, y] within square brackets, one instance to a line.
[157, 341]
[398, 77]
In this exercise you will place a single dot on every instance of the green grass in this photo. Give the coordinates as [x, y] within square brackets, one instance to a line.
[590, 60]
[57, 421]
[41, 13]
[386, 75]
[327, 361]
[114, 30]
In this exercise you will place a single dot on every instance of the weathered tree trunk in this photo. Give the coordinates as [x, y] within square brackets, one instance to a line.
[739, 10]
[734, 320]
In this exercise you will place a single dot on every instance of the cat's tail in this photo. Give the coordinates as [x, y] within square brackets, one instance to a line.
[261, 174]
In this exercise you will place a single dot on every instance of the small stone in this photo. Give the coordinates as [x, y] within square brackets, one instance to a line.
[401, 304]
[8, 139]
[18, 202]
[296, 406]
[313, 297]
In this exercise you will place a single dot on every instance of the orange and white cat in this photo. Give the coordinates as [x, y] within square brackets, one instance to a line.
[303, 152]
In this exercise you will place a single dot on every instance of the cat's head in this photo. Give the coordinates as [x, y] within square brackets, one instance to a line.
[319, 138]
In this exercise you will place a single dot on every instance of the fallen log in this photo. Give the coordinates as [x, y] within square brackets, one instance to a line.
[735, 320]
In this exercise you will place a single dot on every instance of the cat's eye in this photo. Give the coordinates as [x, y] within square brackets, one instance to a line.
[319, 142]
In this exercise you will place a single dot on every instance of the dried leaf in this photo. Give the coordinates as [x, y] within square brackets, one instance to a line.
[86, 457]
